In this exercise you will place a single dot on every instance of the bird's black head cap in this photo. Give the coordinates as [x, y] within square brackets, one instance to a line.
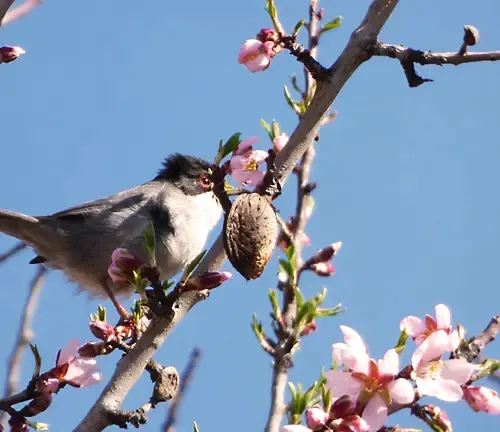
[190, 174]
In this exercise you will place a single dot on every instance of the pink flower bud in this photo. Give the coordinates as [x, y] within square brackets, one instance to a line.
[125, 331]
[9, 53]
[279, 142]
[206, 280]
[266, 35]
[323, 268]
[342, 407]
[47, 383]
[316, 417]
[254, 55]
[438, 417]
[309, 328]
[102, 330]
[353, 423]
[37, 405]
[123, 265]
[93, 349]
[482, 399]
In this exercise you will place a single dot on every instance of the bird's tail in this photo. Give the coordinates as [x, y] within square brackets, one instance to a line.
[26, 228]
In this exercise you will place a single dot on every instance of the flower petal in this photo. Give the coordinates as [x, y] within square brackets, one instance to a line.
[69, 352]
[401, 391]
[443, 316]
[249, 46]
[453, 340]
[432, 347]
[446, 390]
[413, 325]
[458, 370]
[375, 413]
[245, 145]
[389, 365]
[342, 384]
[352, 337]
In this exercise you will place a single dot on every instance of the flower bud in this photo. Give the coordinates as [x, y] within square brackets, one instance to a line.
[102, 330]
[206, 280]
[342, 407]
[93, 349]
[309, 328]
[438, 417]
[47, 383]
[123, 265]
[316, 417]
[266, 35]
[353, 423]
[9, 53]
[37, 405]
[279, 142]
[325, 268]
[125, 331]
[482, 399]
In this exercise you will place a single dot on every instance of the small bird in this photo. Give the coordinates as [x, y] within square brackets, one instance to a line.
[179, 202]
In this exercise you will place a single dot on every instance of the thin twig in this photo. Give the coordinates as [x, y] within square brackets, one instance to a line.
[18, 247]
[24, 336]
[20, 11]
[186, 377]
[4, 7]
[408, 57]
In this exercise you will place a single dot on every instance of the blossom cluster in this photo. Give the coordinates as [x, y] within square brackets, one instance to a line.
[365, 391]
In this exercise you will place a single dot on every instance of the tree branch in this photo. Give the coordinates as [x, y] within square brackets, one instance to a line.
[185, 380]
[408, 57]
[18, 247]
[24, 335]
[4, 7]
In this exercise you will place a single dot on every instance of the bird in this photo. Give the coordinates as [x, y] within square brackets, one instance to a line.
[179, 203]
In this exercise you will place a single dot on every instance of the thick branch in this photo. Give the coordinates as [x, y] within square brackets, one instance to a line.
[131, 366]
[408, 57]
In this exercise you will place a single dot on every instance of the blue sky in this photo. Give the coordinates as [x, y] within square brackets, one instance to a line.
[408, 178]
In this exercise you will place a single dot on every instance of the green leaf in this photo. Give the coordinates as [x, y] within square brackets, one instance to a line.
[320, 298]
[307, 310]
[38, 361]
[191, 267]
[293, 390]
[195, 427]
[400, 346]
[231, 144]
[291, 103]
[166, 285]
[286, 267]
[276, 129]
[320, 312]
[267, 128]
[326, 397]
[273, 14]
[299, 298]
[297, 27]
[273, 298]
[330, 25]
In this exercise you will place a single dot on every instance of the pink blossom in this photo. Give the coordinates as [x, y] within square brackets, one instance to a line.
[309, 328]
[10, 53]
[367, 381]
[482, 399]
[256, 55]
[20, 11]
[122, 267]
[442, 379]
[420, 329]
[244, 164]
[316, 417]
[295, 428]
[279, 142]
[74, 370]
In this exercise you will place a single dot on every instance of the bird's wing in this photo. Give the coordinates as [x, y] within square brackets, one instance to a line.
[112, 203]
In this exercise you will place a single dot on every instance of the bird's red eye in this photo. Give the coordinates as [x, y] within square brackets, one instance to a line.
[205, 182]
